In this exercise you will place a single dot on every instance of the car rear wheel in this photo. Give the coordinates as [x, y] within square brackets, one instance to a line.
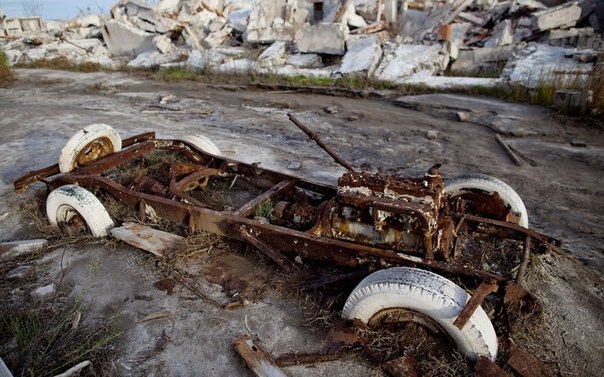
[431, 301]
[75, 210]
[473, 183]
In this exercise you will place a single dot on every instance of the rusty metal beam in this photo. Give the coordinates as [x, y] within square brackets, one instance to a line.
[22, 183]
[256, 358]
[526, 253]
[315, 137]
[117, 158]
[269, 251]
[137, 139]
[483, 290]
[249, 207]
[515, 227]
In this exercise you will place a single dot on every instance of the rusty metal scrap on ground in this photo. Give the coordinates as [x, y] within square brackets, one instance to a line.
[366, 224]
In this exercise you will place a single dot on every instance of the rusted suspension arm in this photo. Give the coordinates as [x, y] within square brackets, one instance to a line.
[515, 227]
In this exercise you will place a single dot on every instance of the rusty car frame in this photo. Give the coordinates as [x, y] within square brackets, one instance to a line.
[413, 228]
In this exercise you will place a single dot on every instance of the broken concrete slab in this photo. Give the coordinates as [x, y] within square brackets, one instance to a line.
[167, 6]
[14, 249]
[565, 15]
[572, 37]
[427, 79]
[151, 59]
[238, 19]
[123, 39]
[289, 70]
[322, 39]
[351, 18]
[304, 60]
[362, 56]
[481, 59]
[241, 66]
[270, 34]
[540, 63]
[400, 61]
[17, 27]
[273, 55]
[163, 43]
[272, 20]
[503, 35]
[205, 59]
[216, 39]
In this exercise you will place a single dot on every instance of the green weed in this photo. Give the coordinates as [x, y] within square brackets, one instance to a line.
[265, 210]
[45, 339]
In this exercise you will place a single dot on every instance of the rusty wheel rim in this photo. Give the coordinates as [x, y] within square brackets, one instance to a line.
[95, 150]
[70, 222]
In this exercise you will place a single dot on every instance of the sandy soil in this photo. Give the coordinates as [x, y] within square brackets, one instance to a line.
[560, 183]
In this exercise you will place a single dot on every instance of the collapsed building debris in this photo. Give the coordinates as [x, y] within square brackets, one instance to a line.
[395, 40]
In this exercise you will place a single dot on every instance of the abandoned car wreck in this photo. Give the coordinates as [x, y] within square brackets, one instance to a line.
[446, 255]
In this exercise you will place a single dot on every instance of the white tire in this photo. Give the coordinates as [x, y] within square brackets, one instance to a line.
[69, 205]
[88, 145]
[476, 181]
[429, 294]
[202, 143]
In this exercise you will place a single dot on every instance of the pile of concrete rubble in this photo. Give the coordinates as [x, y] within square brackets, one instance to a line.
[402, 41]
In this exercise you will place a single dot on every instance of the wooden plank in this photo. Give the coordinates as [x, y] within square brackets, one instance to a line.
[508, 150]
[257, 360]
[146, 238]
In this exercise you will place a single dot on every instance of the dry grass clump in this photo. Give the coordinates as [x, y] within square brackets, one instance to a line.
[62, 63]
[6, 73]
[45, 338]
[597, 87]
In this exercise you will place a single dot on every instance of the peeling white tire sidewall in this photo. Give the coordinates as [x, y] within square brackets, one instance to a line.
[429, 294]
[85, 203]
[202, 143]
[466, 182]
[79, 141]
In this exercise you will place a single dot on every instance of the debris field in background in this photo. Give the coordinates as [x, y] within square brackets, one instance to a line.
[436, 43]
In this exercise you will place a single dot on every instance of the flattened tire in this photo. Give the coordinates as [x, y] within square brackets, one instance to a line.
[88, 145]
[69, 205]
[476, 181]
[429, 294]
[202, 143]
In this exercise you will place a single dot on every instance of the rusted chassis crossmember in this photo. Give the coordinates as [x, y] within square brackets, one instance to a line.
[277, 242]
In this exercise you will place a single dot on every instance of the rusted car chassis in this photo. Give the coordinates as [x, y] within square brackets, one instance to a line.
[368, 222]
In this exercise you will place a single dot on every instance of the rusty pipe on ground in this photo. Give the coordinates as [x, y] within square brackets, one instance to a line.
[526, 253]
[315, 136]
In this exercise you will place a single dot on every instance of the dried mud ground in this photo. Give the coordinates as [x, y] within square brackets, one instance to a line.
[169, 330]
